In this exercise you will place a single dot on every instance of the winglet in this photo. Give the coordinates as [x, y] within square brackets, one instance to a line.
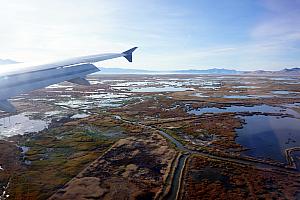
[128, 54]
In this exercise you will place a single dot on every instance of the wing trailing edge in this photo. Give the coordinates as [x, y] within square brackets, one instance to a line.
[80, 81]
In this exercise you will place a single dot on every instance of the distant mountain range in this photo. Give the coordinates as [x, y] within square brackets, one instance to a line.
[124, 71]
[295, 70]
[286, 71]
[208, 71]
[291, 71]
[189, 71]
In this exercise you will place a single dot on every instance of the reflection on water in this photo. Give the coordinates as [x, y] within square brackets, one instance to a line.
[79, 116]
[133, 83]
[237, 96]
[281, 92]
[275, 94]
[246, 86]
[107, 96]
[160, 89]
[53, 113]
[96, 101]
[74, 104]
[292, 105]
[284, 92]
[247, 96]
[83, 104]
[257, 108]
[282, 79]
[199, 95]
[20, 124]
[266, 136]
[269, 136]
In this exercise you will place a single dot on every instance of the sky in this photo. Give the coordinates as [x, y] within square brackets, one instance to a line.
[170, 34]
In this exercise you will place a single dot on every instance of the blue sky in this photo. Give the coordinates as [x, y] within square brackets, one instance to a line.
[170, 34]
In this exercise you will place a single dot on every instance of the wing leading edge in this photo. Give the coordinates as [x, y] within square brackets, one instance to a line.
[72, 70]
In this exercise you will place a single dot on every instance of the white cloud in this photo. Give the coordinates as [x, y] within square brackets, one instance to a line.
[7, 61]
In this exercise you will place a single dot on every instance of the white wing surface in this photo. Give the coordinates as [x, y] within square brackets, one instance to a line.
[21, 80]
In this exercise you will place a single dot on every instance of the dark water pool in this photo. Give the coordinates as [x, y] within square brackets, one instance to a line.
[257, 108]
[268, 136]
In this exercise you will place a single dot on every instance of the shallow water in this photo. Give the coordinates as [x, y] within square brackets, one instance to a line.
[20, 124]
[292, 105]
[79, 116]
[53, 113]
[74, 104]
[268, 136]
[107, 96]
[237, 97]
[247, 96]
[285, 92]
[262, 96]
[84, 104]
[257, 108]
[133, 83]
[280, 92]
[162, 85]
[282, 79]
[199, 95]
[290, 83]
[246, 87]
[175, 185]
[160, 89]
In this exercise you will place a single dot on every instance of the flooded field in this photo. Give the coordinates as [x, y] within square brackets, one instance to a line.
[160, 89]
[251, 109]
[20, 124]
[269, 136]
[154, 129]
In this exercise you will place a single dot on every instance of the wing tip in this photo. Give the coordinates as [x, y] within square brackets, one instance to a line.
[128, 54]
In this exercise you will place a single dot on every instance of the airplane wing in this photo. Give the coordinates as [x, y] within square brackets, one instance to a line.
[18, 81]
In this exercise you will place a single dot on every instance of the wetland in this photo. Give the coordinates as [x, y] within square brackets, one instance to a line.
[154, 137]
